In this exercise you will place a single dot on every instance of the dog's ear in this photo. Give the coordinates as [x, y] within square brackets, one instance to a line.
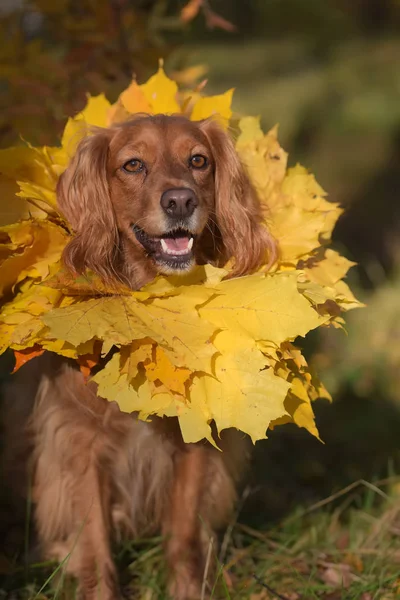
[245, 237]
[84, 199]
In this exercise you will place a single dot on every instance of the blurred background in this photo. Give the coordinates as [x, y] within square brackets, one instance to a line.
[329, 73]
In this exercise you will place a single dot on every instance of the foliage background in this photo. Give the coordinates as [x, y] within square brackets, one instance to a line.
[328, 73]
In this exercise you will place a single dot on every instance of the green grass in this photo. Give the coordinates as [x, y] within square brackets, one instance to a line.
[345, 547]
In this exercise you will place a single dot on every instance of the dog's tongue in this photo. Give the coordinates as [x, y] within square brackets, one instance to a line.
[179, 244]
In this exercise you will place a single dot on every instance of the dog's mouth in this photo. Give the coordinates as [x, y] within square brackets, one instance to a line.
[173, 250]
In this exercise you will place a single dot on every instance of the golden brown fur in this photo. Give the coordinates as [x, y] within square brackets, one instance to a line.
[99, 473]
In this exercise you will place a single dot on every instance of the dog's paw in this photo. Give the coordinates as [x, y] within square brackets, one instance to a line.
[183, 586]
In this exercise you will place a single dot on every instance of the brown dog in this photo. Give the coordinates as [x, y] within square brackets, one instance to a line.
[156, 194]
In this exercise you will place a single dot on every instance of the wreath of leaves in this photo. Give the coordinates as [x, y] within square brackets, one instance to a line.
[201, 348]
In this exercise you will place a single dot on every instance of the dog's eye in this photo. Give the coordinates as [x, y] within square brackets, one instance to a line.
[133, 166]
[198, 161]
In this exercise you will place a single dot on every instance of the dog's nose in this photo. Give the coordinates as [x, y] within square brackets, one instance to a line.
[179, 203]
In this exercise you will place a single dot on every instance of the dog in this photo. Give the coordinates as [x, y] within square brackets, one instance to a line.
[157, 194]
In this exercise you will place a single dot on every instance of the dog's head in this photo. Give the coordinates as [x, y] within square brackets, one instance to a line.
[160, 194]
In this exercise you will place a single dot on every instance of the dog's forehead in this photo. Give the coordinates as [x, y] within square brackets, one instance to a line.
[159, 131]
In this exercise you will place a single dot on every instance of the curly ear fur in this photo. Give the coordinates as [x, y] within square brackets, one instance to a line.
[83, 197]
[238, 211]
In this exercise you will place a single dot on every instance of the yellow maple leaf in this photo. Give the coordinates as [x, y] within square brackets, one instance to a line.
[14, 208]
[38, 244]
[32, 170]
[174, 378]
[297, 232]
[264, 160]
[345, 297]
[241, 394]
[108, 317]
[161, 403]
[263, 307]
[46, 198]
[303, 187]
[299, 411]
[143, 398]
[131, 101]
[170, 322]
[25, 163]
[94, 114]
[194, 419]
[322, 280]
[328, 269]
[304, 388]
[21, 325]
[138, 352]
[304, 192]
[298, 405]
[160, 92]
[117, 114]
[250, 132]
[218, 107]
[174, 323]
[88, 284]
[115, 386]
[206, 275]
[134, 99]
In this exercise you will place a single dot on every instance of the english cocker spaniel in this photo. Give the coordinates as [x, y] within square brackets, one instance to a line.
[157, 194]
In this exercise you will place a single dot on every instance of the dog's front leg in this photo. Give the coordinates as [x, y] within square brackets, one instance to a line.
[186, 529]
[72, 486]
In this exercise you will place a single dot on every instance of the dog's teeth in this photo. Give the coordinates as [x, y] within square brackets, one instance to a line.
[176, 246]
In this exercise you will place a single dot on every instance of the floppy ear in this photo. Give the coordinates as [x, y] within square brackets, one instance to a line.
[238, 211]
[83, 197]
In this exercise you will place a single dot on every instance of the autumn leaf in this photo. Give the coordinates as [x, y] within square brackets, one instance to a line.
[33, 247]
[132, 356]
[160, 92]
[263, 307]
[94, 114]
[174, 378]
[264, 160]
[12, 207]
[345, 297]
[242, 394]
[194, 418]
[88, 284]
[102, 318]
[250, 132]
[328, 269]
[134, 99]
[115, 386]
[23, 356]
[217, 106]
[25, 163]
[206, 275]
[131, 101]
[87, 361]
[174, 323]
[35, 177]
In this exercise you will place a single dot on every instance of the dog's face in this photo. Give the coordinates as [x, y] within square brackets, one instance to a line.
[160, 194]
[162, 187]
